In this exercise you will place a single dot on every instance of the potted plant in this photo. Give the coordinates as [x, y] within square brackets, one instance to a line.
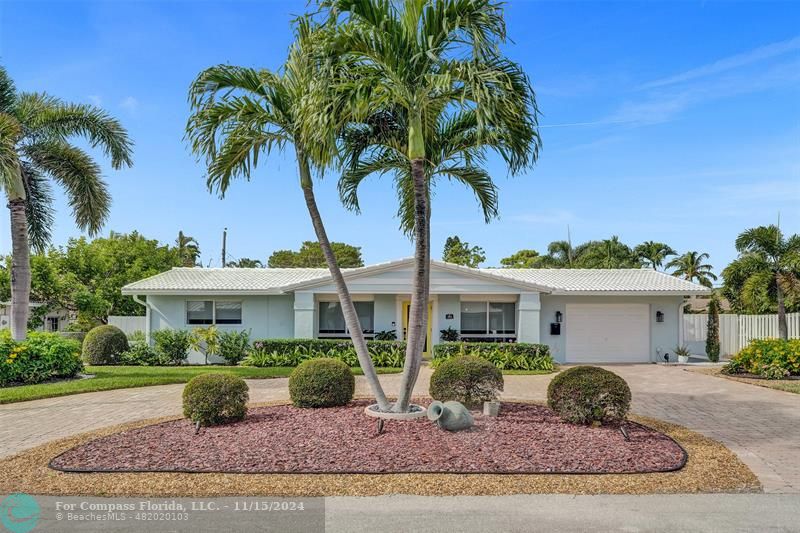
[683, 354]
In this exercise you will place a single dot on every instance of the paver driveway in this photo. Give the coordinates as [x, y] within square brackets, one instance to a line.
[762, 426]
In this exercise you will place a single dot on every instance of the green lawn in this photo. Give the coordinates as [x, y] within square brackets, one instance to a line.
[124, 377]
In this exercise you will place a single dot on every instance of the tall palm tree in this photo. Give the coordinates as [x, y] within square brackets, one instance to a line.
[653, 253]
[771, 263]
[561, 254]
[34, 132]
[419, 59]
[240, 113]
[188, 249]
[608, 253]
[690, 266]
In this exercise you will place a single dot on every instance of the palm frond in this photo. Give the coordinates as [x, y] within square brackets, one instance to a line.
[10, 178]
[480, 183]
[79, 174]
[8, 92]
[38, 207]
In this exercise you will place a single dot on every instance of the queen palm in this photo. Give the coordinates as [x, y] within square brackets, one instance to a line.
[188, 249]
[240, 113]
[768, 271]
[35, 129]
[653, 253]
[418, 60]
[690, 266]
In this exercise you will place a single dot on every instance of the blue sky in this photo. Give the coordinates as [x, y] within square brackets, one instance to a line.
[675, 121]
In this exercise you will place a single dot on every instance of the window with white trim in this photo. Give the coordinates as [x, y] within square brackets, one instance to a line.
[488, 318]
[331, 318]
[207, 312]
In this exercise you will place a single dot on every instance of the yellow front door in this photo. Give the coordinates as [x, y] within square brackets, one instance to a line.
[406, 314]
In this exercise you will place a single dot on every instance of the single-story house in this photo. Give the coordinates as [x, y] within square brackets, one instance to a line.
[585, 316]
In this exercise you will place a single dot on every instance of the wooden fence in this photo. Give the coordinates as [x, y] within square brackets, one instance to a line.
[735, 331]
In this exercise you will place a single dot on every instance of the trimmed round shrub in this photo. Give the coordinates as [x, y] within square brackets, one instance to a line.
[470, 380]
[323, 382]
[104, 344]
[589, 395]
[213, 399]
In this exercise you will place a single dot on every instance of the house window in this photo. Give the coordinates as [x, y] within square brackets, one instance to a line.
[207, 312]
[227, 312]
[492, 319]
[200, 313]
[52, 323]
[331, 318]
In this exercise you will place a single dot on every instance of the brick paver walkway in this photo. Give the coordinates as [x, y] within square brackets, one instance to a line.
[762, 426]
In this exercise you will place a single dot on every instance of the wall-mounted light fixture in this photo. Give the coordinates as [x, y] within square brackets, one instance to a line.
[659, 316]
[559, 317]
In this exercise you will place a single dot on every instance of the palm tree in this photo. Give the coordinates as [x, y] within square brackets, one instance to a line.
[34, 133]
[246, 262]
[561, 254]
[771, 266]
[188, 249]
[608, 253]
[653, 253]
[240, 113]
[690, 266]
[419, 60]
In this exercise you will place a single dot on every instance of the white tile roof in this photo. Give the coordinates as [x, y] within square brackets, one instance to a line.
[602, 280]
[280, 280]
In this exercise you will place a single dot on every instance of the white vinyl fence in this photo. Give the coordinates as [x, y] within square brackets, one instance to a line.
[735, 331]
[128, 324]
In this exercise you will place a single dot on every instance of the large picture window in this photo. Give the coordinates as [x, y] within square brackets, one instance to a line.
[207, 312]
[488, 318]
[331, 318]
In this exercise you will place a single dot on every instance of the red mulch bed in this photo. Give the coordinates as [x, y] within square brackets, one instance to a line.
[525, 438]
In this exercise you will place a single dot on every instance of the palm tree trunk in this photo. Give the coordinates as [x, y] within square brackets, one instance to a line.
[418, 312]
[348, 309]
[20, 269]
[783, 328]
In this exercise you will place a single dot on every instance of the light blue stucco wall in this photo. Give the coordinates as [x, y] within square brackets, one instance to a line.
[265, 317]
[448, 304]
[663, 335]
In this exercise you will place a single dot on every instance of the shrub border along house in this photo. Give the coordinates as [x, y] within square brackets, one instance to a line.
[292, 352]
[504, 355]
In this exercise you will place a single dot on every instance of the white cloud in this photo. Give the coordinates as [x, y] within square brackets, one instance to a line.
[130, 104]
[729, 63]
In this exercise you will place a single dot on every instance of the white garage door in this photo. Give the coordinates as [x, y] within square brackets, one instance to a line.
[607, 333]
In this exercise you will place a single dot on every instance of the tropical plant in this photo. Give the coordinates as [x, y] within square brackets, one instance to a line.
[40, 357]
[234, 345]
[292, 352]
[386, 335]
[310, 255]
[562, 254]
[245, 262]
[240, 113]
[769, 358]
[460, 253]
[523, 259]
[653, 253]
[173, 345]
[431, 93]
[34, 133]
[449, 335]
[608, 253]
[205, 341]
[188, 249]
[504, 355]
[712, 330]
[766, 275]
[690, 266]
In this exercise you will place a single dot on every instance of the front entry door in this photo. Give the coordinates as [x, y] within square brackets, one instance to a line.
[406, 314]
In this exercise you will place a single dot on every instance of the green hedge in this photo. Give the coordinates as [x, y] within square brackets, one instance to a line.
[292, 352]
[768, 358]
[504, 355]
[42, 356]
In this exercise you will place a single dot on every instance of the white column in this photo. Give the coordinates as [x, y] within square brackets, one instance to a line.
[303, 315]
[529, 309]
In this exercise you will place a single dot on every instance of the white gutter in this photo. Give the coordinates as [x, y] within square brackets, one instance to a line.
[146, 314]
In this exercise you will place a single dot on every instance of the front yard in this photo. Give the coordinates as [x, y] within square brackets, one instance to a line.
[123, 377]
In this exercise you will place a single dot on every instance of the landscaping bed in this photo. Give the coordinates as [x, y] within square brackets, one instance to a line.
[790, 384]
[526, 438]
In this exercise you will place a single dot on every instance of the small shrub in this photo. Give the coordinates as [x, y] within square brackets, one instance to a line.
[712, 335]
[504, 355]
[470, 380]
[589, 394]
[768, 358]
[172, 345]
[323, 382]
[136, 336]
[104, 344]
[142, 354]
[212, 399]
[42, 356]
[386, 335]
[234, 345]
[449, 335]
